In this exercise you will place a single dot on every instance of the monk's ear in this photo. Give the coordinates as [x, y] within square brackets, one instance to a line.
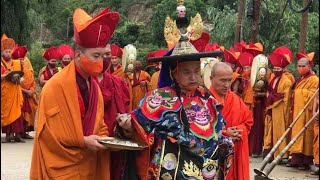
[77, 54]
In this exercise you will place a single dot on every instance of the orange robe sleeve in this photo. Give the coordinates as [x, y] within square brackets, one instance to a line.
[59, 151]
[154, 80]
[11, 99]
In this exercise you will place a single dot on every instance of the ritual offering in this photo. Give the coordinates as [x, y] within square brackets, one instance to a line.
[259, 71]
[129, 56]
[123, 144]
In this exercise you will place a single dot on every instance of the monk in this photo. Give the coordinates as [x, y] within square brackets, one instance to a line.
[28, 85]
[155, 76]
[316, 135]
[69, 127]
[304, 88]
[66, 54]
[115, 67]
[139, 81]
[237, 116]
[11, 95]
[51, 55]
[278, 109]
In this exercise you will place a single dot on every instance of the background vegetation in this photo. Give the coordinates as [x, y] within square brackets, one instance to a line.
[42, 23]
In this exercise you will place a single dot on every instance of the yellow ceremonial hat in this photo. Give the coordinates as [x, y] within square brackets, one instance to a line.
[7, 43]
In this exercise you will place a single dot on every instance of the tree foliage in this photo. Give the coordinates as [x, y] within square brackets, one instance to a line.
[26, 20]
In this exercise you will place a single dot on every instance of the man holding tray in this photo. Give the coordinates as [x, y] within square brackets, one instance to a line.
[70, 120]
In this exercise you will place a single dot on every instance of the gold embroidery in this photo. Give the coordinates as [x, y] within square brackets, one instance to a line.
[166, 176]
[192, 170]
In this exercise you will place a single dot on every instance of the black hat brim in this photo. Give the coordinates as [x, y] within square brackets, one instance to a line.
[185, 57]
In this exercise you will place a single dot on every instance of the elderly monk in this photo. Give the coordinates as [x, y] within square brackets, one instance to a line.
[278, 107]
[139, 81]
[181, 124]
[51, 55]
[237, 116]
[304, 88]
[28, 85]
[155, 76]
[66, 54]
[11, 95]
[68, 129]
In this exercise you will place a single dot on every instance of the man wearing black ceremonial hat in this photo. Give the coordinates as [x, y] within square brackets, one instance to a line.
[181, 124]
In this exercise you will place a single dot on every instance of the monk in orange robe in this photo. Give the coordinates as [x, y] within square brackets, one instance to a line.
[155, 76]
[316, 135]
[139, 81]
[304, 88]
[28, 85]
[238, 119]
[115, 68]
[278, 109]
[11, 95]
[68, 129]
[66, 54]
[51, 55]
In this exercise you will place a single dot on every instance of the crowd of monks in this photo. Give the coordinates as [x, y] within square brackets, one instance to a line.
[256, 117]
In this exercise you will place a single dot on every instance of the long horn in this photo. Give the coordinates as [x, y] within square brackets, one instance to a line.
[279, 157]
[276, 146]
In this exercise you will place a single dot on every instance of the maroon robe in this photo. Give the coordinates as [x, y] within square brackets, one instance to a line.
[116, 98]
[257, 130]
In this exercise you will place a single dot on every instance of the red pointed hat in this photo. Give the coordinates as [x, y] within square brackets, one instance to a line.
[116, 50]
[214, 47]
[285, 51]
[240, 47]
[278, 60]
[245, 59]
[94, 32]
[65, 49]
[200, 44]
[160, 53]
[254, 49]
[303, 54]
[51, 53]
[230, 56]
[19, 52]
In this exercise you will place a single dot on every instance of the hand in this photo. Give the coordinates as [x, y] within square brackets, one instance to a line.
[16, 80]
[29, 93]
[143, 83]
[124, 121]
[92, 143]
[234, 133]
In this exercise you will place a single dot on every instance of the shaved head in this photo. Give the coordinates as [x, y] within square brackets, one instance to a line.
[221, 66]
[221, 78]
[304, 60]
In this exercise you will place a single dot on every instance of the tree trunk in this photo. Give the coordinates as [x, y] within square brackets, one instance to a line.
[239, 20]
[255, 20]
[303, 28]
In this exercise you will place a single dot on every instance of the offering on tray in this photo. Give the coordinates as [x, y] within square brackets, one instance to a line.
[125, 144]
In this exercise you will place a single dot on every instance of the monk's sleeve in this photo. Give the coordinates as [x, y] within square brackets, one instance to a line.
[287, 92]
[310, 88]
[123, 95]
[102, 127]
